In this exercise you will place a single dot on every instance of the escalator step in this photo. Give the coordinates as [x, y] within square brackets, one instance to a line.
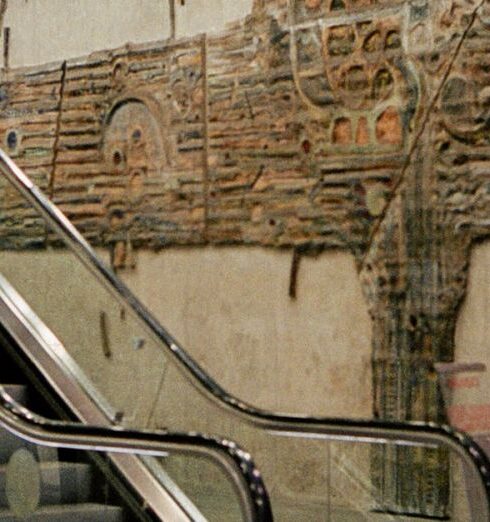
[70, 513]
[61, 482]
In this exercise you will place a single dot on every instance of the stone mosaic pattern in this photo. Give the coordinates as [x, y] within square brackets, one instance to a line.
[312, 124]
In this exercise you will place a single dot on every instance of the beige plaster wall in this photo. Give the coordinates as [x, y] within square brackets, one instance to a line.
[49, 30]
[206, 16]
[230, 309]
[469, 392]
[62, 29]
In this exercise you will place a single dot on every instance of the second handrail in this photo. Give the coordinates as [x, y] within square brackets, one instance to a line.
[237, 463]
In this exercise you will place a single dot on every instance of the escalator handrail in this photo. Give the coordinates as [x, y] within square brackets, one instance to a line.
[237, 463]
[349, 430]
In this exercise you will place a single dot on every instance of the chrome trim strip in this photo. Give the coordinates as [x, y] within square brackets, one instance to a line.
[336, 429]
[237, 464]
[164, 478]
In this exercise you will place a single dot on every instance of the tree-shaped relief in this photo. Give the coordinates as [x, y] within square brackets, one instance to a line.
[354, 71]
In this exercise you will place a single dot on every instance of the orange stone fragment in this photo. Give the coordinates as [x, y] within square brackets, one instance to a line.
[362, 134]
[342, 132]
[389, 127]
[312, 4]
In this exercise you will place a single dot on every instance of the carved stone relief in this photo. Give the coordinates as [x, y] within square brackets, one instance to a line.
[134, 157]
[356, 65]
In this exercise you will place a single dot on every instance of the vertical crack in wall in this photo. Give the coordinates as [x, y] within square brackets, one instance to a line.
[418, 136]
[52, 178]
[6, 34]
[205, 116]
[173, 21]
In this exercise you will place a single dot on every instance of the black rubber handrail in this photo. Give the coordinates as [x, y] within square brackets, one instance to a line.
[373, 431]
[237, 463]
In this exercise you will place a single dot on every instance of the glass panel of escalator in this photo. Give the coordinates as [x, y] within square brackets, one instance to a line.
[52, 483]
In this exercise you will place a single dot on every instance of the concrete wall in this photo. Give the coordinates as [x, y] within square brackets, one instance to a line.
[469, 392]
[49, 30]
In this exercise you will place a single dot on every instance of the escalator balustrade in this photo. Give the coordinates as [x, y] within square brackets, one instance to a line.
[315, 469]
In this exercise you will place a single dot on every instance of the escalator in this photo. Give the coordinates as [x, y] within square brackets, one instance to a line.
[46, 476]
[57, 388]
[111, 363]
[54, 487]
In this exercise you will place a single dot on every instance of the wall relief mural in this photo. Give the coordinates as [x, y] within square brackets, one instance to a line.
[311, 125]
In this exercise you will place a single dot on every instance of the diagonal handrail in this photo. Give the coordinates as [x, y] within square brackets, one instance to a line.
[236, 462]
[370, 431]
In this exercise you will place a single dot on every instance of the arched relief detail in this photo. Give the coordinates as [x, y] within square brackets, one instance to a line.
[120, 73]
[156, 109]
[136, 153]
[342, 133]
[383, 128]
[389, 127]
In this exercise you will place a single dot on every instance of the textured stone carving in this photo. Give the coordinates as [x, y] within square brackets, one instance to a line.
[356, 65]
